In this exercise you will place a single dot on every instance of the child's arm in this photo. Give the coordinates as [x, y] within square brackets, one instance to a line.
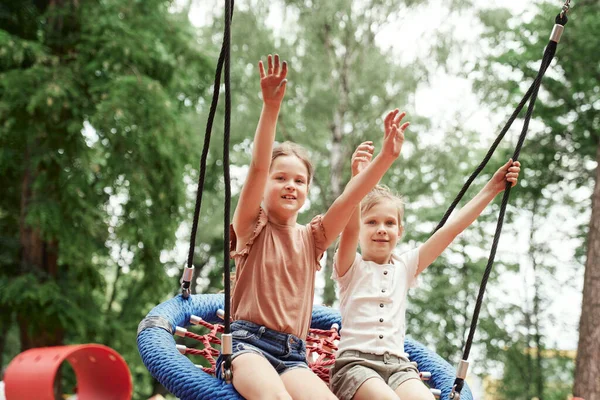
[346, 253]
[273, 89]
[438, 242]
[336, 218]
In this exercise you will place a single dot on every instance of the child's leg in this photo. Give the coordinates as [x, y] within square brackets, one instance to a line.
[302, 383]
[255, 378]
[414, 389]
[375, 388]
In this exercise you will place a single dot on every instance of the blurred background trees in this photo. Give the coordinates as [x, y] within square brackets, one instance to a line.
[102, 113]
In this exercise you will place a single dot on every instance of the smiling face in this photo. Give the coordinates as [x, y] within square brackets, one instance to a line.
[286, 188]
[380, 230]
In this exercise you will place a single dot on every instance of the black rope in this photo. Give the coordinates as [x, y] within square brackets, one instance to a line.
[226, 136]
[562, 20]
[532, 93]
[207, 136]
[224, 59]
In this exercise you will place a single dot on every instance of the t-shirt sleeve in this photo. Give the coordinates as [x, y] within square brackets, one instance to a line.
[343, 280]
[260, 223]
[318, 233]
[411, 260]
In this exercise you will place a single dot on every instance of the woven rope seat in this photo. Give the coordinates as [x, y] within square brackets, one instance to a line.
[185, 380]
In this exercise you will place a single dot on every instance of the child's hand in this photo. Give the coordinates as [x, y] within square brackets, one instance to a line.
[362, 157]
[273, 82]
[509, 172]
[394, 134]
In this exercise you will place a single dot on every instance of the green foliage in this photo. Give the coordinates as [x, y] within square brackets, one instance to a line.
[104, 103]
[521, 373]
[96, 106]
[330, 50]
[559, 154]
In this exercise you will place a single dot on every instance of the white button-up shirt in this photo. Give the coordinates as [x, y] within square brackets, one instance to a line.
[373, 303]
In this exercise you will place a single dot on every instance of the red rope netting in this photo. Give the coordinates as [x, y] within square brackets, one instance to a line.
[320, 346]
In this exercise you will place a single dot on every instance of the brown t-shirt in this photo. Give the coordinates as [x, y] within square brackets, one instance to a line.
[275, 274]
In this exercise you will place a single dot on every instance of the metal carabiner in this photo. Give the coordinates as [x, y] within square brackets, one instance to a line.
[454, 395]
[565, 8]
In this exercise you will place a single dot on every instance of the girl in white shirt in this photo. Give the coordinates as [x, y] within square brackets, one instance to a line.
[370, 362]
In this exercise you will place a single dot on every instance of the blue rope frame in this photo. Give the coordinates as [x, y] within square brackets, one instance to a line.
[188, 382]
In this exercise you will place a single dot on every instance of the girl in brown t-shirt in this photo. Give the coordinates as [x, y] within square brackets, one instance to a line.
[276, 258]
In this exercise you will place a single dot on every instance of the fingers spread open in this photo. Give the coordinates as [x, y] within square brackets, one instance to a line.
[389, 118]
[404, 126]
[365, 154]
[399, 117]
[276, 67]
[365, 147]
[270, 64]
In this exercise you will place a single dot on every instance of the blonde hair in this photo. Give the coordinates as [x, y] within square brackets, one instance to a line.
[293, 149]
[381, 194]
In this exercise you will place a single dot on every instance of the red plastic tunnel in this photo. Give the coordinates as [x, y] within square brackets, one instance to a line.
[101, 373]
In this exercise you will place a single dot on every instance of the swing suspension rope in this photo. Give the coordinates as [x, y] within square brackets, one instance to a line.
[224, 60]
[321, 344]
[531, 96]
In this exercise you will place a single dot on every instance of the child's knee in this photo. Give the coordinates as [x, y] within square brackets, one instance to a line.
[329, 396]
[414, 389]
[281, 396]
[424, 394]
[276, 394]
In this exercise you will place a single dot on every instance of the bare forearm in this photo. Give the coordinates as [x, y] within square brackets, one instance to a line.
[440, 240]
[353, 225]
[469, 213]
[360, 185]
[349, 237]
[338, 214]
[252, 191]
[346, 252]
[264, 137]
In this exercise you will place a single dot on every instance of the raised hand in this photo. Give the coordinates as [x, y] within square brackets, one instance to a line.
[273, 82]
[394, 133]
[362, 157]
[509, 172]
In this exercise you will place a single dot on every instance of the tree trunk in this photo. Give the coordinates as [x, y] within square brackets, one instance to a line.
[337, 155]
[537, 337]
[6, 322]
[587, 369]
[36, 255]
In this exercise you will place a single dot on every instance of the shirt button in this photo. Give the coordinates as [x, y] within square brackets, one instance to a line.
[381, 305]
[380, 336]
[382, 290]
[380, 319]
[385, 272]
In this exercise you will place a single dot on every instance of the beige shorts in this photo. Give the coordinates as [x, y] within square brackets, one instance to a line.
[353, 368]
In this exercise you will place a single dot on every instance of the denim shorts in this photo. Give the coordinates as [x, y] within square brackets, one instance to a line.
[283, 351]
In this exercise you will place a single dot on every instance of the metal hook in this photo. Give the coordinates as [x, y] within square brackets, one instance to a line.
[565, 8]
[454, 395]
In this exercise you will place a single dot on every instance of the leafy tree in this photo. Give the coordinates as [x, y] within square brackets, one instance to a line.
[97, 101]
[567, 146]
[339, 86]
